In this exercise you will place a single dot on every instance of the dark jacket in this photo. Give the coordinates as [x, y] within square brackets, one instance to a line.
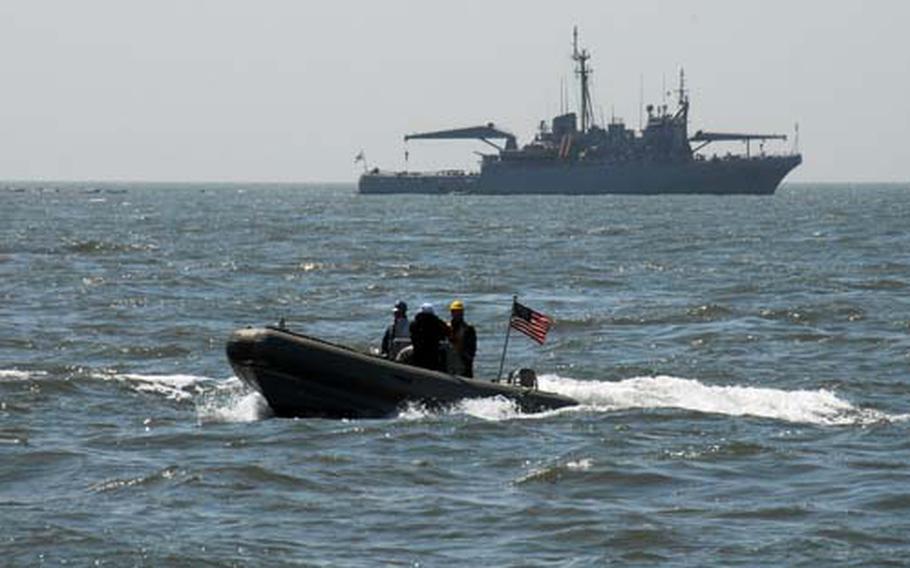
[427, 332]
[395, 339]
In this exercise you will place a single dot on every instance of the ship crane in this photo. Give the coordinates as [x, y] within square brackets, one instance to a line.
[483, 133]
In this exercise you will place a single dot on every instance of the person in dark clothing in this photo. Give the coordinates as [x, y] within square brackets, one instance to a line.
[464, 342]
[396, 336]
[427, 335]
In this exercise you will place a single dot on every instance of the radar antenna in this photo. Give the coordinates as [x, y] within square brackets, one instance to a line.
[682, 93]
[682, 112]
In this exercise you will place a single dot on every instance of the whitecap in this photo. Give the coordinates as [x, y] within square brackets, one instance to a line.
[17, 375]
[230, 401]
[583, 464]
[174, 387]
[819, 406]
[492, 408]
[216, 400]
[178, 387]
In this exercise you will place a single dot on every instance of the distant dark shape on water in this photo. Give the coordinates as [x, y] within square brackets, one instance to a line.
[568, 158]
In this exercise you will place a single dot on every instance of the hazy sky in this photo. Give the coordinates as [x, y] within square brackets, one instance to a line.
[292, 90]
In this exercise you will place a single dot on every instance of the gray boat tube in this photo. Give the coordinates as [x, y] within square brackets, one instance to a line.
[302, 376]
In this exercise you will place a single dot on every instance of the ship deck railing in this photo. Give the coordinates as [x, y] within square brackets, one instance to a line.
[437, 173]
[743, 157]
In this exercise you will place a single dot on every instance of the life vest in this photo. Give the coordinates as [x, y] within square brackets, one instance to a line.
[400, 337]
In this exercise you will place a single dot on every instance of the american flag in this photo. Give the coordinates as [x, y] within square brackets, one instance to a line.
[533, 324]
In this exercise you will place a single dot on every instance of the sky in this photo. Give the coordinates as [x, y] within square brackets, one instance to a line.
[281, 90]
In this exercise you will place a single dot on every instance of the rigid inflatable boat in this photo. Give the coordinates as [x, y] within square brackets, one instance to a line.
[302, 376]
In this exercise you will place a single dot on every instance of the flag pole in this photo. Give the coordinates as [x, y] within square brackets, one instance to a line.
[505, 346]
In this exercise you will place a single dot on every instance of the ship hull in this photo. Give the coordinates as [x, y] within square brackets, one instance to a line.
[755, 176]
[377, 182]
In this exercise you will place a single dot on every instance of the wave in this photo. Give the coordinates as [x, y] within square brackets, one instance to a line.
[177, 387]
[216, 400]
[13, 375]
[820, 407]
[495, 408]
[231, 401]
[94, 246]
[220, 400]
[168, 474]
[553, 472]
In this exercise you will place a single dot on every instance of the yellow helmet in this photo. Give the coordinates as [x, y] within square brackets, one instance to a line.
[456, 305]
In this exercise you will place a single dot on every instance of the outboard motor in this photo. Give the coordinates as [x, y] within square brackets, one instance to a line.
[524, 378]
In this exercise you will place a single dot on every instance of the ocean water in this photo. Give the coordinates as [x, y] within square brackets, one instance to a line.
[742, 363]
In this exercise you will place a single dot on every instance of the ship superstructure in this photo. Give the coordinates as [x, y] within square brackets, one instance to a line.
[574, 155]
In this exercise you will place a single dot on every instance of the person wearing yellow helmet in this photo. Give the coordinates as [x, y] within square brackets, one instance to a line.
[463, 339]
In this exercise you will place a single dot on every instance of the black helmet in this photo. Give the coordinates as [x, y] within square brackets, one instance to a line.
[401, 307]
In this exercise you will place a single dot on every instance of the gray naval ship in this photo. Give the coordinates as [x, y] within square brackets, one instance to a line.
[574, 155]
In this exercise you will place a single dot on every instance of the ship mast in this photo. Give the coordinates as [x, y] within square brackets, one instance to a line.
[683, 95]
[583, 71]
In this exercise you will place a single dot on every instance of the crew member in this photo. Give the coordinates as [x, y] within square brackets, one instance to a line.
[464, 342]
[397, 336]
[427, 334]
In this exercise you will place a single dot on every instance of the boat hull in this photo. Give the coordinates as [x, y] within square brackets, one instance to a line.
[728, 176]
[436, 183]
[302, 376]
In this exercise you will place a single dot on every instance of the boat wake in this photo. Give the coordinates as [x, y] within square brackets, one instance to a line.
[820, 407]
[220, 400]
[173, 387]
[231, 401]
[216, 400]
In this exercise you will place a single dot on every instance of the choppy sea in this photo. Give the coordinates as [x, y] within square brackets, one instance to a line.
[743, 365]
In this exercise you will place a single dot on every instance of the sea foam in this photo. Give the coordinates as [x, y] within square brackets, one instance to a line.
[17, 375]
[216, 400]
[822, 407]
[175, 387]
[230, 401]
